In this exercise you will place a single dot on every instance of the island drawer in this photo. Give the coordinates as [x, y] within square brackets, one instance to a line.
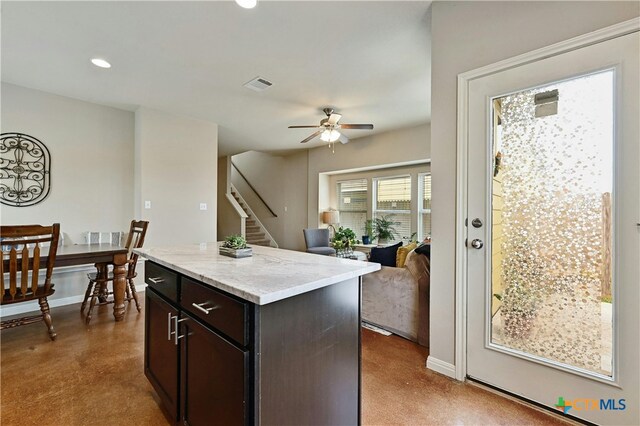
[162, 280]
[216, 309]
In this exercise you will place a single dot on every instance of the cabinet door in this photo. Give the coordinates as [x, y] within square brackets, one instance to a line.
[161, 352]
[214, 378]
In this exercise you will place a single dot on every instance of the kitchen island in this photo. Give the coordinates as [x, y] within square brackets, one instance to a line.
[271, 339]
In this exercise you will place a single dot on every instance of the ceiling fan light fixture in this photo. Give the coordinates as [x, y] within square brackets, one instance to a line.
[247, 4]
[330, 135]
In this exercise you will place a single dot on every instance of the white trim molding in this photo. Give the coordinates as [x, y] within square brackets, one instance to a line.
[464, 79]
[22, 308]
[441, 367]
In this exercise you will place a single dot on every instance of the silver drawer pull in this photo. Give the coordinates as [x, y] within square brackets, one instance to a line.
[157, 280]
[202, 309]
[169, 332]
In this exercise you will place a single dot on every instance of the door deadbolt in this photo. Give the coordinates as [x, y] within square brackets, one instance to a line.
[477, 223]
[477, 244]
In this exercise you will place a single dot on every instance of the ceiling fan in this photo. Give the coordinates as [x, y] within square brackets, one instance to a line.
[329, 128]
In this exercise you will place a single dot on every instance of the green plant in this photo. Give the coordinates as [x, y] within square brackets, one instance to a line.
[344, 237]
[235, 242]
[368, 228]
[383, 227]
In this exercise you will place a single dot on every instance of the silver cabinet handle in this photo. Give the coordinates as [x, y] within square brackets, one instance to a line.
[175, 333]
[156, 280]
[175, 320]
[203, 309]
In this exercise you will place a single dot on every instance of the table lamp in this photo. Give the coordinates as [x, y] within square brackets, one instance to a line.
[331, 217]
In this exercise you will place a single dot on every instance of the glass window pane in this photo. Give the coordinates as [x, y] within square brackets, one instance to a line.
[393, 193]
[426, 192]
[352, 204]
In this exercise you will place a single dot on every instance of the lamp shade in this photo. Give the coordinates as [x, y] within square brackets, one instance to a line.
[332, 216]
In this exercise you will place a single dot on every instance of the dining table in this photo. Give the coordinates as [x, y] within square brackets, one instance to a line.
[101, 255]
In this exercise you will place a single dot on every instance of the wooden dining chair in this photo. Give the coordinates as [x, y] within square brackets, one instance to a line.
[21, 255]
[97, 291]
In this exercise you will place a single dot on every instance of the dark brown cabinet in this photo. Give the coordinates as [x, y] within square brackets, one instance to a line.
[160, 352]
[216, 359]
[213, 379]
[200, 376]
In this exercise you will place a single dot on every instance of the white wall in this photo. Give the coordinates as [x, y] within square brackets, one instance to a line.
[295, 187]
[282, 183]
[411, 144]
[465, 36]
[91, 150]
[176, 169]
[227, 217]
[266, 174]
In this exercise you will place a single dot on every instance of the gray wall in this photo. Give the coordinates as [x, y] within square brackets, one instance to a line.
[465, 36]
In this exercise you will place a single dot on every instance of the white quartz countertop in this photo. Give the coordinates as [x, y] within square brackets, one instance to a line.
[268, 276]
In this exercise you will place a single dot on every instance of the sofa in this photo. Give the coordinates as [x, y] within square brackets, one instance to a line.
[397, 299]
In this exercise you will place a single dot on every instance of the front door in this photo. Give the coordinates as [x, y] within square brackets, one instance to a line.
[553, 240]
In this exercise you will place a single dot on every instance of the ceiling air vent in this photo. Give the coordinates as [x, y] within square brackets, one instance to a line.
[258, 84]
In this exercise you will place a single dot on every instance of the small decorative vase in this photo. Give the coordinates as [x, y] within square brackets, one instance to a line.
[366, 239]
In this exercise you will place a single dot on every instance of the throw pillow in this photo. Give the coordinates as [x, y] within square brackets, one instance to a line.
[403, 251]
[386, 256]
[424, 249]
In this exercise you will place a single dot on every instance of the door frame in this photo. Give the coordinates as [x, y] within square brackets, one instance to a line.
[461, 280]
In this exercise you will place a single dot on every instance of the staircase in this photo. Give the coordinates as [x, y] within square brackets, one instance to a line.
[254, 232]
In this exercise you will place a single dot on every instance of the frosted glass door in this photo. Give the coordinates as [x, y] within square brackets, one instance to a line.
[551, 222]
[553, 246]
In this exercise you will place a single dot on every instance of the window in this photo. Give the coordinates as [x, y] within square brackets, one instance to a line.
[352, 204]
[424, 206]
[392, 196]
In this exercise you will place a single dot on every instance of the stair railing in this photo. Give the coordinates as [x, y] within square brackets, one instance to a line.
[272, 241]
[254, 190]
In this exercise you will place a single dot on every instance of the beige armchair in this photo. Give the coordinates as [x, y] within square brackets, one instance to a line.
[397, 299]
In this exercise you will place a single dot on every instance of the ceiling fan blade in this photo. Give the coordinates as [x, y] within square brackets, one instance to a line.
[343, 139]
[357, 126]
[311, 137]
[303, 127]
[334, 118]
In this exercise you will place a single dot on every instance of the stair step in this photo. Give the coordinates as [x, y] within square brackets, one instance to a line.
[250, 222]
[255, 236]
[265, 243]
[252, 228]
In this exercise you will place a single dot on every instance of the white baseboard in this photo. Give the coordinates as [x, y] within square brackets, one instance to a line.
[21, 308]
[441, 367]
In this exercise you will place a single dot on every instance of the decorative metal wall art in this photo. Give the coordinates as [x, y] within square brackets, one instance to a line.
[25, 170]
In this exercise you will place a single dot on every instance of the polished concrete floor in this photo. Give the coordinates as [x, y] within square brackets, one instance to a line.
[93, 375]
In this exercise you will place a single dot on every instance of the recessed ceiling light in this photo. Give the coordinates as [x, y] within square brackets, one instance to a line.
[247, 4]
[100, 63]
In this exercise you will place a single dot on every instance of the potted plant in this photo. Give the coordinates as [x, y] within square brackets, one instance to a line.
[235, 246]
[343, 241]
[384, 230]
[368, 231]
